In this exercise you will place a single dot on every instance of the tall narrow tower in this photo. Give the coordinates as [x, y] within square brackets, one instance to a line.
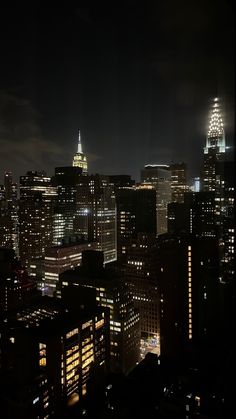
[214, 150]
[80, 160]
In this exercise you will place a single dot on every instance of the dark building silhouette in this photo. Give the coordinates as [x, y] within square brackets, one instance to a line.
[136, 213]
[196, 215]
[50, 353]
[189, 292]
[16, 288]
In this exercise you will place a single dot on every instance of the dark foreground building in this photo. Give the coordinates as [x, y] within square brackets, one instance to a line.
[50, 354]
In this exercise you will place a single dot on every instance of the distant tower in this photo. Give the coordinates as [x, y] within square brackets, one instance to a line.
[80, 160]
[214, 150]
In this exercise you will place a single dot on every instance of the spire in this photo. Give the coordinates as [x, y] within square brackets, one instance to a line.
[80, 159]
[79, 144]
[215, 138]
[216, 124]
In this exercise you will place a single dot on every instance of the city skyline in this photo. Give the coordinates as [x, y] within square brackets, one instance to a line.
[132, 82]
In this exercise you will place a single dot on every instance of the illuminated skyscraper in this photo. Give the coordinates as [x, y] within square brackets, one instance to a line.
[178, 181]
[65, 181]
[95, 217]
[80, 160]
[9, 214]
[36, 207]
[214, 150]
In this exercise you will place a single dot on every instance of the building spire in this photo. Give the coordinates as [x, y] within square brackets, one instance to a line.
[215, 135]
[80, 159]
[79, 144]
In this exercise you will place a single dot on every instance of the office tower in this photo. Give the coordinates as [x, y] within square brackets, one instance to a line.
[36, 209]
[60, 258]
[159, 176]
[136, 213]
[189, 299]
[178, 181]
[9, 214]
[196, 215]
[50, 353]
[65, 181]
[111, 292]
[95, 218]
[141, 277]
[215, 148]
[80, 159]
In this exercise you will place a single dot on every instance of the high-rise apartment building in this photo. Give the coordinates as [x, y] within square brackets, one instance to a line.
[36, 209]
[80, 159]
[159, 176]
[95, 217]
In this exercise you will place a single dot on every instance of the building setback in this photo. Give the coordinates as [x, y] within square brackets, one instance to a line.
[59, 259]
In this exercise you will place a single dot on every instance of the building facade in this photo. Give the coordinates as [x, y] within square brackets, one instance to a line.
[36, 210]
[159, 176]
[95, 217]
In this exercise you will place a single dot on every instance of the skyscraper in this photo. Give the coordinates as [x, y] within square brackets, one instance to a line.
[159, 176]
[36, 207]
[80, 160]
[178, 181]
[214, 150]
[9, 214]
[65, 181]
[95, 217]
[136, 213]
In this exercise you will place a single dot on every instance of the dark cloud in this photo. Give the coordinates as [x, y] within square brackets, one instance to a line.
[136, 79]
[21, 142]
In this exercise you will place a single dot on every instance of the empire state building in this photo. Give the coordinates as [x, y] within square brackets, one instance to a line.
[80, 160]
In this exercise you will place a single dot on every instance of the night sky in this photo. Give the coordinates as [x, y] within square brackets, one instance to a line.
[136, 80]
